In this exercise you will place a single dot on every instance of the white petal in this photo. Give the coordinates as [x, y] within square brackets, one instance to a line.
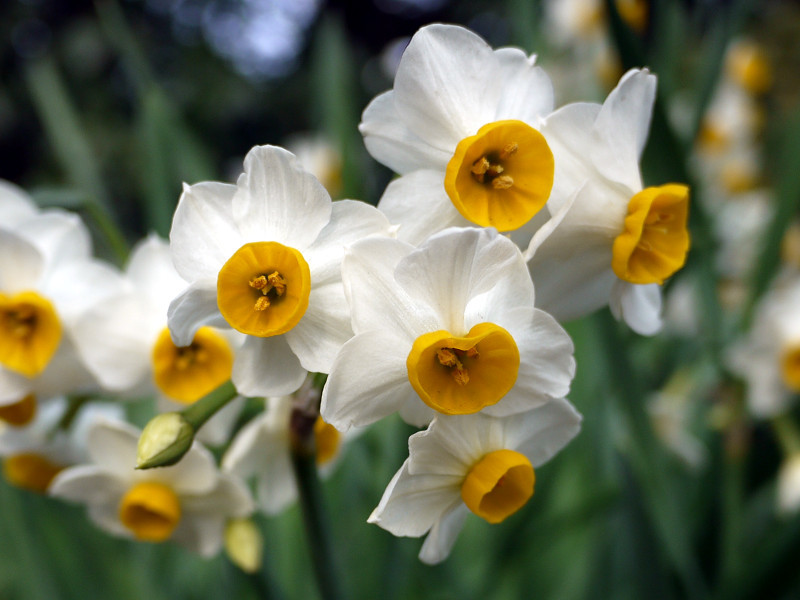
[323, 330]
[376, 300]
[61, 236]
[368, 381]
[112, 446]
[15, 204]
[638, 305]
[21, 263]
[203, 235]
[443, 88]
[196, 472]
[65, 374]
[113, 344]
[194, 308]
[13, 386]
[527, 92]
[201, 534]
[277, 200]
[418, 203]
[391, 143]
[412, 504]
[267, 367]
[546, 368]
[456, 265]
[88, 484]
[217, 430]
[622, 126]
[439, 542]
[78, 285]
[541, 433]
[452, 444]
[152, 273]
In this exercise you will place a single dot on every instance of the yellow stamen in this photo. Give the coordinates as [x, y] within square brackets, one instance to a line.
[501, 176]
[19, 413]
[30, 471]
[655, 240]
[498, 485]
[30, 332]
[462, 375]
[151, 511]
[263, 289]
[187, 374]
[748, 65]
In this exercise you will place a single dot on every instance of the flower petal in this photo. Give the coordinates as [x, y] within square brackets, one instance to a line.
[418, 203]
[59, 235]
[88, 484]
[541, 433]
[638, 305]
[391, 143]
[527, 92]
[368, 381]
[21, 263]
[267, 367]
[195, 307]
[203, 234]
[276, 200]
[442, 536]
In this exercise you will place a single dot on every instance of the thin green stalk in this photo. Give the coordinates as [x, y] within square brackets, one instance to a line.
[316, 524]
[205, 408]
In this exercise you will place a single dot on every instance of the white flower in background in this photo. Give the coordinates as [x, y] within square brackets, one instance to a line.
[136, 355]
[319, 157]
[15, 205]
[188, 503]
[748, 66]
[262, 450]
[768, 358]
[35, 453]
[48, 278]
[739, 226]
[461, 127]
[263, 257]
[788, 498]
[450, 327]
[618, 242]
[471, 463]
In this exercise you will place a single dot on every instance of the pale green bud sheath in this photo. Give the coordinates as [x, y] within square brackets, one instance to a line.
[168, 436]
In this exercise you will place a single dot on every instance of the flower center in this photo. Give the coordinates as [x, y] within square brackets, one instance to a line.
[150, 510]
[498, 485]
[462, 375]
[655, 240]
[30, 471]
[327, 438]
[790, 367]
[30, 332]
[19, 413]
[263, 289]
[501, 176]
[186, 374]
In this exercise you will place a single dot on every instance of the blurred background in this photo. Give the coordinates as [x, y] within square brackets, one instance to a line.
[676, 487]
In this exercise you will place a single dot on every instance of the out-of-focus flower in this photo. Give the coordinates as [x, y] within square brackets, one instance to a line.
[471, 463]
[788, 498]
[48, 279]
[768, 358]
[461, 127]
[35, 453]
[319, 157]
[136, 356]
[189, 503]
[617, 242]
[263, 257]
[244, 544]
[262, 450]
[450, 327]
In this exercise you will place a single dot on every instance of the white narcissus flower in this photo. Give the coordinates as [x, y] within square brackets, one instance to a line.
[263, 257]
[450, 327]
[788, 492]
[188, 503]
[262, 450]
[617, 242]
[768, 358]
[461, 127]
[35, 453]
[48, 279]
[471, 463]
[136, 355]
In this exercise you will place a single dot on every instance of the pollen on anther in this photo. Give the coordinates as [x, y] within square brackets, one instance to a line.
[262, 303]
[259, 283]
[447, 357]
[277, 282]
[503, 182]
[460, 375]
[508, 150]
[480, 166]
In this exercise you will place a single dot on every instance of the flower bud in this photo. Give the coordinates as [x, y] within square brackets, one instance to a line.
[244, 544]
[164, 441]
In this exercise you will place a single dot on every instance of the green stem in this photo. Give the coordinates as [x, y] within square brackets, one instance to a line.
[205, 408]
[787, 433]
